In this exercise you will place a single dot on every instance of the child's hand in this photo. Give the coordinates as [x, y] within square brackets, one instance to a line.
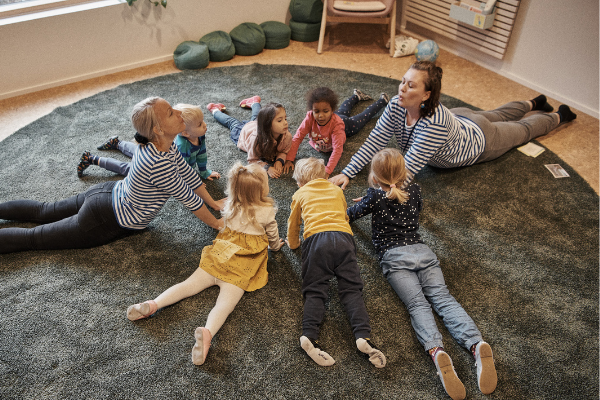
[288, 244]
[281, 243]
[357, 200]
[214, 175]
[288, 167]
[273, 173]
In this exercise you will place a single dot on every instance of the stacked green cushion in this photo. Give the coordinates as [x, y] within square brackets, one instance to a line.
[306, 11]
[277, 34]
[248, 39]
[220, 46]
[305, 32]
[191, 55]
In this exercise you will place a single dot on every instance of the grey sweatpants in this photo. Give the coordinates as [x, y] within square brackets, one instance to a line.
[505, 128]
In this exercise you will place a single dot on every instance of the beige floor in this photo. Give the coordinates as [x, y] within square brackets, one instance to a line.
[357, 49]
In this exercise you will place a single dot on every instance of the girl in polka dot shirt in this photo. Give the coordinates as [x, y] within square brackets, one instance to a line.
[415, 274]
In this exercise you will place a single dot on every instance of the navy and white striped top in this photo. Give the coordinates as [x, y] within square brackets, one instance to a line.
[154, 177]
[441, 140]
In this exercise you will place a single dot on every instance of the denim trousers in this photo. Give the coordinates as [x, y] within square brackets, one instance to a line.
[80, 221]
[235, 126]
[416, 276]
[117, 166]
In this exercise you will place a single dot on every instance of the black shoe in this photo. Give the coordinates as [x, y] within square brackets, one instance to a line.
[111, 144]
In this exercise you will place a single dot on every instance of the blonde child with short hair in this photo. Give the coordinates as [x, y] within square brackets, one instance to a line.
[414, 271]
[237, 259]
[328, 251]
[191, 143]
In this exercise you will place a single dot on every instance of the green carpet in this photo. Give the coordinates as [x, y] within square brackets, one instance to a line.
[519, 250]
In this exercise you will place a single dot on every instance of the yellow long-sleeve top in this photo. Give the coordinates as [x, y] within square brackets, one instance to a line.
[322, 207]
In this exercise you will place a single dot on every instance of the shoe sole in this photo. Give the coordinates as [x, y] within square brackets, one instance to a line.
[453, 386]
[488, 379]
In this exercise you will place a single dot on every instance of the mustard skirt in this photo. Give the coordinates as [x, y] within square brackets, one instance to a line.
[238, 258]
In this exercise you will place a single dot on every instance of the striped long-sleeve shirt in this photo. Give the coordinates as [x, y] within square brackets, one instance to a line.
[194, 155]
[154, 177]
[441, 140]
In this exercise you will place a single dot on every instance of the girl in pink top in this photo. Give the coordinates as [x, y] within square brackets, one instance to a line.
[328, 130]
[266, 137]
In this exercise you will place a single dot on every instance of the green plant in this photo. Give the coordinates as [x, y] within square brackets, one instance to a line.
[161, 2]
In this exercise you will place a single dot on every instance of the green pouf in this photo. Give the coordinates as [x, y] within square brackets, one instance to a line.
[304, 32]
[277, 34]
[191, 55]
[220, 46]
[248, 39]
[307, 11]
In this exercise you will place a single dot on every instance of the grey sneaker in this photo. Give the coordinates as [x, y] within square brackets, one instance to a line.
[362, 96]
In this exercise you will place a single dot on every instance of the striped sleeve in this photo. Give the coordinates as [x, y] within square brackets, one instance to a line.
[153, 178]
[386, 127]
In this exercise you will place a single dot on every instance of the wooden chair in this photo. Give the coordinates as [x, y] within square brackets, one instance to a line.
[360, 11]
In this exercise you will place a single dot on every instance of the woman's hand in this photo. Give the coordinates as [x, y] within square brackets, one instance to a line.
[278, 167]
[214, 175]
[220, 204]
[340, 180]
[205, 216]
[273, 173]
[288, 167]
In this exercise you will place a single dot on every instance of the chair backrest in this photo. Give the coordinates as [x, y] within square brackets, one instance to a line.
[360, 8]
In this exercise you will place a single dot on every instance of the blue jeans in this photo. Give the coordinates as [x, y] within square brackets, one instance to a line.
[416, 276]
[120, 167]
[80, 221]
[234, 125]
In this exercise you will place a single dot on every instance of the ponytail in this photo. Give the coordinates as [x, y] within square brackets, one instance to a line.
[389, 170]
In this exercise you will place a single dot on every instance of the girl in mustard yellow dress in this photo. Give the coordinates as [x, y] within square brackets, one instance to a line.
[237, 259]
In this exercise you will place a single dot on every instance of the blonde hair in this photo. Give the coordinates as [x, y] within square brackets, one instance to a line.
[308, 169]
[189, 113]
[144, 119]
[245, 190]
[389, 170]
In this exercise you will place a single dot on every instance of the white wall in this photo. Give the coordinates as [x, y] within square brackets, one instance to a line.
[553, 49]
[52, 51]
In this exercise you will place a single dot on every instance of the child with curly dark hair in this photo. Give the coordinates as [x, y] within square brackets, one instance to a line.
[328, 129]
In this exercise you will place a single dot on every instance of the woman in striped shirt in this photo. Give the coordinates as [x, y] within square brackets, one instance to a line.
[427, 133]
[108, 211]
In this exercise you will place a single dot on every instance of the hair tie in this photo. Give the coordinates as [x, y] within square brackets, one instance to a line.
[140, 139]
[393, 185]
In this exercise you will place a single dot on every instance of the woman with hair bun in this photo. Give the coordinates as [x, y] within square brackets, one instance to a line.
[428, 133]
[111, 210]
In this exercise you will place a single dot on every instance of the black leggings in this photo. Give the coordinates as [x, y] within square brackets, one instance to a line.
[354, 124]
[80, 221]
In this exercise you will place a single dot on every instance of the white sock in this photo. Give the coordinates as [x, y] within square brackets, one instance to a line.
[318, 356]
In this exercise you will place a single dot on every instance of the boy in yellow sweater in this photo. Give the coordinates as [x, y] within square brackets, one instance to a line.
[328, 251]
